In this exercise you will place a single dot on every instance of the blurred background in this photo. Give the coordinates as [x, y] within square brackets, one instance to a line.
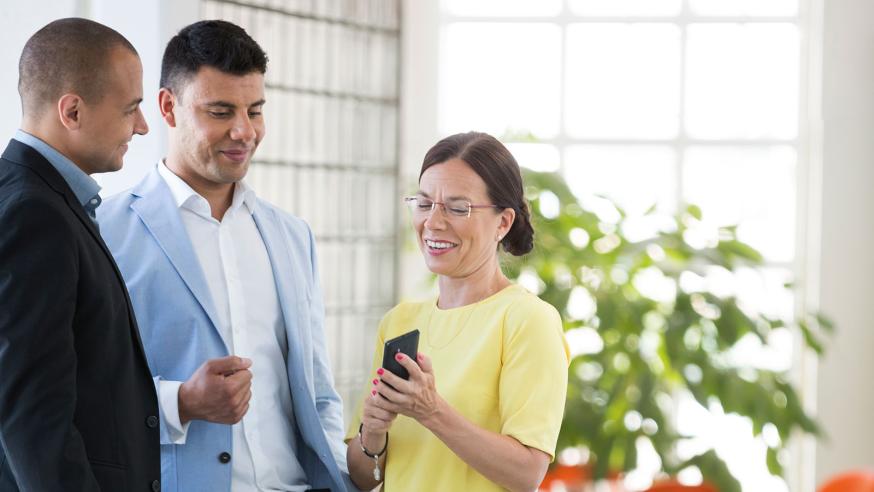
[759, 113]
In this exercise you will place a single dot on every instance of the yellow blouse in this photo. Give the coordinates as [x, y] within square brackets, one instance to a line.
[501, 362]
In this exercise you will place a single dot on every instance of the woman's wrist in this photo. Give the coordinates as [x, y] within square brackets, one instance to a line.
[434, 420]
[373, 453]
[373, 441]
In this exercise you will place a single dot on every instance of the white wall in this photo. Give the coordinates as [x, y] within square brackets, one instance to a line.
[148, 25]
[845, 397]
[418, 122]
[18, 21]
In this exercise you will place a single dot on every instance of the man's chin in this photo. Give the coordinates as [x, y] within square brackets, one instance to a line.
[115, 166]
[235, 173]
[109, 167]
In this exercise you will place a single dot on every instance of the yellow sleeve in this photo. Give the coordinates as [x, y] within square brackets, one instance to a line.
[533, 383]
[352, 430]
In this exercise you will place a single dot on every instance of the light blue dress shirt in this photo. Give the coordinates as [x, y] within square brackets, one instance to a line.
[84, 187]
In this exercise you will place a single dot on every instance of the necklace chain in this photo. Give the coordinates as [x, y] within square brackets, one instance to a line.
[474, 306]
[453, 337]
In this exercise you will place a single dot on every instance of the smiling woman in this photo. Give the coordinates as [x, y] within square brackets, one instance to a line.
[485, 397]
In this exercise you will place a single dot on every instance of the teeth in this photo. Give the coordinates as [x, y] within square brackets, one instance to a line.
[439, 244]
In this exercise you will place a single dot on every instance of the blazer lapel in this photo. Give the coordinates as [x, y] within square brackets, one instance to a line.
[293, 298]
[277, 251]
[25, 155]
[158, 211]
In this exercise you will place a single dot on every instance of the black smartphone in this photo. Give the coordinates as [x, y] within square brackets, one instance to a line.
[407, 344]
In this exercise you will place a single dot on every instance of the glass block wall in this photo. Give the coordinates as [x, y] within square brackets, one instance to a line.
[330, 153]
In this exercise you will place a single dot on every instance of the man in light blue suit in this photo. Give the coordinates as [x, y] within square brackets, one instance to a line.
[225, 288]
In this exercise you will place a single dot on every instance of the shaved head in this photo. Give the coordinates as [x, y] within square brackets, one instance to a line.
[66, 56]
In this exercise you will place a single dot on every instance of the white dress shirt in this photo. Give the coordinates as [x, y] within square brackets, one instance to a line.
[237, 269]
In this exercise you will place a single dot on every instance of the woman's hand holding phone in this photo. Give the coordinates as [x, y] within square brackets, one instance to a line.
[417, 397]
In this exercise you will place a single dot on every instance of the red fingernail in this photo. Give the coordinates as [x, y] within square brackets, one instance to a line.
[375, 381]
[399, 357]
[373, 392]
[380, 371]
[420, 356]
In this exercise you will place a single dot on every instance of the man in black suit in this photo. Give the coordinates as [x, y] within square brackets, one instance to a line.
[78, 410]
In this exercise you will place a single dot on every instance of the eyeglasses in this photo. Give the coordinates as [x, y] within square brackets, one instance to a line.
[453, 208]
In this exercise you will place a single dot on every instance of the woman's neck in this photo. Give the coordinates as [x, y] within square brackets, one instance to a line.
[461, 291]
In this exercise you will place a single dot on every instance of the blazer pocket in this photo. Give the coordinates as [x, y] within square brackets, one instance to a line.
[110, 476]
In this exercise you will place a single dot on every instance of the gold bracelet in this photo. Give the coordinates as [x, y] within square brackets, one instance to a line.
[375, 456]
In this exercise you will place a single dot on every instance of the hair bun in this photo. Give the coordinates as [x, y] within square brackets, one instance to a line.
[520, 240]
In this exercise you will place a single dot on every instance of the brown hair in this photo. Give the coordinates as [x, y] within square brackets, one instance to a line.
[496, 166]
[67, 55]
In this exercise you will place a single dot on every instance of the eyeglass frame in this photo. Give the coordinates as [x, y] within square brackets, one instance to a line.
[434, 203]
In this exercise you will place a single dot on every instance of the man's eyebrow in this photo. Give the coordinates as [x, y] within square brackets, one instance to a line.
[221, 104]
[135, 102]
[228, 105]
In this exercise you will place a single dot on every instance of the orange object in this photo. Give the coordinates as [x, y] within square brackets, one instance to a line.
[572, 477]
[674, 486]
[578, 479]
[851, 481]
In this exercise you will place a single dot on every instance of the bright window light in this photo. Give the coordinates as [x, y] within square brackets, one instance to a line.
[487, 88]
[535, 156]
[625, 7]
[742, 81]
[503, 8]
[623, 80]
[744, 7]
[652, 102]
[753, 187]
[636, 178]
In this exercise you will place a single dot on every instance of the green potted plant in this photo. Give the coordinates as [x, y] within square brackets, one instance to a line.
[653, 347]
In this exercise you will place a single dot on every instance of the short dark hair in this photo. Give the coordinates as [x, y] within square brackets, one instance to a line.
[67, 55]
[496, 166]
[212, 43]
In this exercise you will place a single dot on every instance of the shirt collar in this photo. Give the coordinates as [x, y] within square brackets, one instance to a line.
[185, 197]
[245, 195]
[84, 187]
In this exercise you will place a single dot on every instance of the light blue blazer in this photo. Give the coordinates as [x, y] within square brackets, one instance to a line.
[143, 228]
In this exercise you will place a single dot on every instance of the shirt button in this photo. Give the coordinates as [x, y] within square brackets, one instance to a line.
[224, 458]
[156, 486]
[152, 421]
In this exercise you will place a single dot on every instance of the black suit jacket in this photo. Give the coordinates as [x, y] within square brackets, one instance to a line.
[78, 409]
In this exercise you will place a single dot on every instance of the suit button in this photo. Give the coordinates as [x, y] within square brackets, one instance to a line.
[152, 421]
[224, 458]
[156, 486]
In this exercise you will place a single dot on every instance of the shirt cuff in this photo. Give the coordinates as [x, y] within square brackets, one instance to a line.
[168, 397]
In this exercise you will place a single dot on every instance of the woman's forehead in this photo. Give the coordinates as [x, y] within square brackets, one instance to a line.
[452, 178]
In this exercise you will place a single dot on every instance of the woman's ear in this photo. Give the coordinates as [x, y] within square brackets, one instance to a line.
[508, 215]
